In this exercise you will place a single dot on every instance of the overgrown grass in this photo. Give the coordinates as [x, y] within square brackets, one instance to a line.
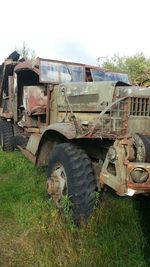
[33, 233]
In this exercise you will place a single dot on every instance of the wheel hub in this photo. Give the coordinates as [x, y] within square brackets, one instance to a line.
[56, 183]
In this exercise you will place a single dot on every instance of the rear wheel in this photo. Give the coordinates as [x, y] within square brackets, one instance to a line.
[1, 122]
[6, 132]
[70, 172]
[18, 140]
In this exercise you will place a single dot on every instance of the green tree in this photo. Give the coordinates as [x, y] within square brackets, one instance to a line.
[25, 52]
[137, 66]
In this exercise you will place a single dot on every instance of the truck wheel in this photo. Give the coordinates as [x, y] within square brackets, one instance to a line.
[0, 130]
[6, 135]
[70, 172]
[18, 140]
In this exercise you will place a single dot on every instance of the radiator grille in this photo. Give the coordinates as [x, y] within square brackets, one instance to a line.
[140, 106]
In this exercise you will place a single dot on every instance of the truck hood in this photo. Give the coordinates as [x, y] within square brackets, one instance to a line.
[132, 91]
[95, 96]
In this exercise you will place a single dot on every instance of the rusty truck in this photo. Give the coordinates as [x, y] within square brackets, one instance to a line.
[90, 127]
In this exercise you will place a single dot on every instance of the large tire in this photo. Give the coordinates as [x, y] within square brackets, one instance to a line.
[70, 172]
[1, 122]
[6, 135]
[18, 140]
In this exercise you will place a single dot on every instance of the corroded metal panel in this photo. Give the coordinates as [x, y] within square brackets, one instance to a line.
[132, 91]
[33, 143]
[121, 172]
[139, 125]
[66, 129]
[86, 97]
[34, 99]
[28, 65]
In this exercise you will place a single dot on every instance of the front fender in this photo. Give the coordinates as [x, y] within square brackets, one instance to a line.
[67, 129]
[58, 132]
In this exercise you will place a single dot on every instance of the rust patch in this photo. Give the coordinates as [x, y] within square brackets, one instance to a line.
[35, 101]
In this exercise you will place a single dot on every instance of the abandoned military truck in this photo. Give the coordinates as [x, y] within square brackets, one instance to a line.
[89, 134]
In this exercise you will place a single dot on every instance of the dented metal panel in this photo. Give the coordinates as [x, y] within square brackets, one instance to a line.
[93, 97]
[66, 129]
[28, 65]
[34, 99]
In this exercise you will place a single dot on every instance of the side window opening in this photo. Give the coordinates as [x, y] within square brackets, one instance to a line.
[88, 75]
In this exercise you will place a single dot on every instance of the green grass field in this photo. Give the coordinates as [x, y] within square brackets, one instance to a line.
[33, 233]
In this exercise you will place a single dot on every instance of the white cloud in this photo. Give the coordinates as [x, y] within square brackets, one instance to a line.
[77, 30]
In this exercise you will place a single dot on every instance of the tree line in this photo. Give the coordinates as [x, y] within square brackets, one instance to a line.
[137, 67]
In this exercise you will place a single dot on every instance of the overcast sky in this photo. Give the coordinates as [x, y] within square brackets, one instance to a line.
[79, 30]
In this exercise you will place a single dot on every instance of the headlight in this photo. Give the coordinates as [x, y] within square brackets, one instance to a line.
[139, 175]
